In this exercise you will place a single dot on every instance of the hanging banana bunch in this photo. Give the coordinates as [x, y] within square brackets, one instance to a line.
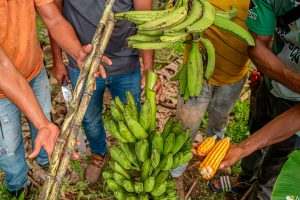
[185, 22]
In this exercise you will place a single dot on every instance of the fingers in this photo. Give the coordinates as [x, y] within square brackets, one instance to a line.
[143, 81]
[37, 149]
[106, 60]
[83, 54]
[158, 89]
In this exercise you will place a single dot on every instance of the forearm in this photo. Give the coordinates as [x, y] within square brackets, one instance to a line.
[148, 59]
[268, 63]
[60, 30]
[17, 90]
[147, 55]
[56, 50]
[279, 129]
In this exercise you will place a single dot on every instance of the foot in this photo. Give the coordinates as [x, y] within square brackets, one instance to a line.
[94, 170]
[228, 184]
[180, 187]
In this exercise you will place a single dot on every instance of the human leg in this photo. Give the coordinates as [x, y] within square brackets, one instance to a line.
[92, 121]
[119, 85]
[223, 101]
[12, 155]
[190, 114]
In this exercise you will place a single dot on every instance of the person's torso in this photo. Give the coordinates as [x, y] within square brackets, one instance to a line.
[84, 16]
[18, 36]
[232, 61]
[286, 46]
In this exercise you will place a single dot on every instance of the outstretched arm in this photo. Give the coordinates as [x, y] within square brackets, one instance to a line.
[63, 33]
[17, 90]
[279, 129]
[268, 63]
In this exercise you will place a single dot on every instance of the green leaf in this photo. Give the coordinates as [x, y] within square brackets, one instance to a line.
[287, 184]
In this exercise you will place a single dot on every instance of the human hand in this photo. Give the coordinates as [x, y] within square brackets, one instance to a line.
[234, 154]
[59, 71]
[46, 137]
[83, 54]
[195, 152]
[158, 88]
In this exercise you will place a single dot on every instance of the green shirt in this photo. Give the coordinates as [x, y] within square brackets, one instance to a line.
[262, 21]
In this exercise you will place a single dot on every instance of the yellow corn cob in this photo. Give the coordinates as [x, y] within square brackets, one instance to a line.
[206, 146]
[212, 161]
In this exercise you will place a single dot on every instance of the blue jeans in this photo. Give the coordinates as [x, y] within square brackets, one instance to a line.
[117, 85]
[12, 155]
[218, 101]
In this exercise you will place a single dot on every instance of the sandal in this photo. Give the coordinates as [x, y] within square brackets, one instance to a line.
[226, 185]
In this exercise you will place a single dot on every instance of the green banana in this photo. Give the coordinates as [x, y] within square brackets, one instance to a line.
[179, 142]
[194, 15]
[145, 169]
[119, 169]
[128, 185]
[149, 184]
[175, 38]
[144, 38]
[116, 112]
[145, 115]
[169, 143]
[168, 127]
[162, 176]
[206, 20]
[228, 15]
[119, 179]
[107, 175]
[119, 103]
[192, 69]
[234, 29]
[211, 57]
[159, 189]
[138, 187]
[119, 156]
[186, 93]
[176, 16]
[199, 63]
[149, 45]
[120, 195]
[133, 106]
[112, 185]
[114, 130]
[150, 33]
[142, 150]
[158, 142]
[137, 130]
[129, 154]
[155, 158]
[125, 132]
[183, 80]
[166, 163]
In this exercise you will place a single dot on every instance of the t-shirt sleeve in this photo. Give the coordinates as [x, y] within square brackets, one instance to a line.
[42, 2]
[3, 21]
[261, 17]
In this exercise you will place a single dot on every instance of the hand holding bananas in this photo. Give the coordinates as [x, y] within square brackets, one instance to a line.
[140, 162]
[185, 22]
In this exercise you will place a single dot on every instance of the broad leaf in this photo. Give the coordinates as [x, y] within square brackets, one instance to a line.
[287, 186]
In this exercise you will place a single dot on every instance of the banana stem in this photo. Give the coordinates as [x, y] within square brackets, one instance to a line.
[151, 81]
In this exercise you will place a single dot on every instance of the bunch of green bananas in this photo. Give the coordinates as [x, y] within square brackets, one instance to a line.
[159, 29]
[140, 162]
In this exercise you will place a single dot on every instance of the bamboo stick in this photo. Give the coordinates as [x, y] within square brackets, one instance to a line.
[81, 110]
[55, 161]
